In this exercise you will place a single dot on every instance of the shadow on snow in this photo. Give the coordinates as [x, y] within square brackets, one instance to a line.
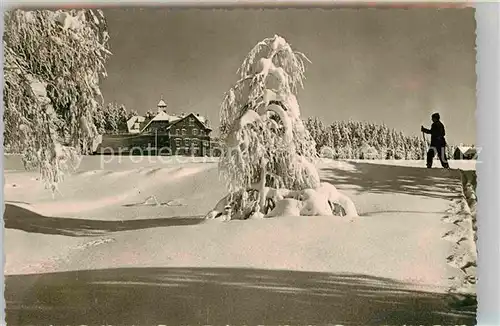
[19, 218]
[391, 179]
[152, 296]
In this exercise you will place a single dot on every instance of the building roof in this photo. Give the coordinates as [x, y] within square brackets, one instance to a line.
[171, 119]
[200, 118]
[465, 149]
[133, 120]
[163, 116]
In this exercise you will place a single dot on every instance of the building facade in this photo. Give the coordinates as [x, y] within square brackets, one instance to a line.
[161, 134]
[184, 135]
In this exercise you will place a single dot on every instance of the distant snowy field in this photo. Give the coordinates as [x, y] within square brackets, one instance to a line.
[13, 163]
[102, 224]
[466, 165]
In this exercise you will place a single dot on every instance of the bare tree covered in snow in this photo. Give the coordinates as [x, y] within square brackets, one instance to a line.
[268, 163]
[52, 65]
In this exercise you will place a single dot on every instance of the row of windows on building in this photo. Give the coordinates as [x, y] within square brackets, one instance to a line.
[190, 142]
[183, 132]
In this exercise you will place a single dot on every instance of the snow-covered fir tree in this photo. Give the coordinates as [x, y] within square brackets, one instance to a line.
[269, 155]
[317, 131]
[116, 117]
[132, 113]
[390, 145]
[53, 61]
[99, 119]
[345, 148]
[399, 145]
[337, 136]
[382, 140]
[328, 138]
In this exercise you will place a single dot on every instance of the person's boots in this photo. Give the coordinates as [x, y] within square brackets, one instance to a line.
[444, 164]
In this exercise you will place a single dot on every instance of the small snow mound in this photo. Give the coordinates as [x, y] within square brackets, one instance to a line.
[187, 171]
[256, 216]
[286, 207]
[151, 200]
[119, 174]
[154, 171]
[338, 199]
[218, 219]
[174, 202]
[452, 219]
[461, 260]
[88, 173]
[222, 218]
[96, 242]
[456, 236]
[170, 172]
[315, 203]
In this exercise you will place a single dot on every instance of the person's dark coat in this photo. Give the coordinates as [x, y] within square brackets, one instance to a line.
[437, 133]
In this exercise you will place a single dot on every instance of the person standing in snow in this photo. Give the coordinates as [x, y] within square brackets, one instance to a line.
[438, 141]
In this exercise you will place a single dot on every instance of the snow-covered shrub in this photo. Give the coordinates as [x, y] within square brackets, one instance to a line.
[399, 154]
[367, 152]
[268, 153]
[345, 153]
[52, 65]
[328, 152]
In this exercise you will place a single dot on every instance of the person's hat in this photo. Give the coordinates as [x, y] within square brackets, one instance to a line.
[436, 116]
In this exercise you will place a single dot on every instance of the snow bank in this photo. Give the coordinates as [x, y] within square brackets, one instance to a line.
[397, 240]
[102, 189]
[462, 217]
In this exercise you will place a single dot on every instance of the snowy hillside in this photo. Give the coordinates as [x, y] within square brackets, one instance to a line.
[103, 241]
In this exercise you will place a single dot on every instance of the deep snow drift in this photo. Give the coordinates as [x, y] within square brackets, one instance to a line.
[107, 222]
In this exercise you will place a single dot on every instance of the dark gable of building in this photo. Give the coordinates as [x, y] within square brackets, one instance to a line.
[145, 123]
[189, 136]
[157, 126]
[467, 153]
[190, 125]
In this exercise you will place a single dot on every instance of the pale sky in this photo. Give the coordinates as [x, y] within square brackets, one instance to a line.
[382, 65]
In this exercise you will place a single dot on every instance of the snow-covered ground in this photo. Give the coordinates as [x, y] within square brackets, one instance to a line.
[105, 253]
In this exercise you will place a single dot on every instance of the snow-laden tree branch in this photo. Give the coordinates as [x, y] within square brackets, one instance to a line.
[52, 65]
[268, 163]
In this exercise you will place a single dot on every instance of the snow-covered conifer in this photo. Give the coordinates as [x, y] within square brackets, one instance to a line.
[53, 61]
[269, 156]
